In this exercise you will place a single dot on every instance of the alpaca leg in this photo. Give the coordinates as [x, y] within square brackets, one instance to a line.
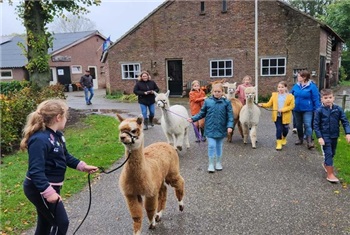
[151, 204]
[178, 184]
[179, 141]
[135, 209]
[253, 136]
[240, 128]
[162, 196]
[186, 138]
[245, 133]
[170, 139]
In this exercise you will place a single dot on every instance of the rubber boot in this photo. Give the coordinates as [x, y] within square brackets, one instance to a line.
[211, 165]
[299, 141]
[218, 165]
[278, 144]
[284, 140]
[203, 136]
[145, 124]
[151, 120]
[330, 175]
[310, 142]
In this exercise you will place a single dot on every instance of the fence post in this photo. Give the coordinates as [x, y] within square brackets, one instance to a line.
[343, 105]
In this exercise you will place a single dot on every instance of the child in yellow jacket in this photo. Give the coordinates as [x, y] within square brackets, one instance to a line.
[282, 104]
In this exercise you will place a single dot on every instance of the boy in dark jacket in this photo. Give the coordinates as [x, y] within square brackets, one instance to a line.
[326, 126]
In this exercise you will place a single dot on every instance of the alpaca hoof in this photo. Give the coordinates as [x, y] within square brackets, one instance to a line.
[152, 226]
[181, 207]
[179, 148]
[158, 218]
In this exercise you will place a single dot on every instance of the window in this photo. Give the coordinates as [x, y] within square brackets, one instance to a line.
[224, 6]
[130, 71]
[202, 7]
[221, 68]
[76, 69]
[273, 66]
[6, 74]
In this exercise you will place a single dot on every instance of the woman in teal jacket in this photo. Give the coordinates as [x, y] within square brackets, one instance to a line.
[218, 114]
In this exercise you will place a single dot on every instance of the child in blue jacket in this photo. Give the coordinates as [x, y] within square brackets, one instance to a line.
[218, 114]
[326, 126]
[47, 164]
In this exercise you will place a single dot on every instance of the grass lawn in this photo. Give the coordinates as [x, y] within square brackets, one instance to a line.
[93, 140]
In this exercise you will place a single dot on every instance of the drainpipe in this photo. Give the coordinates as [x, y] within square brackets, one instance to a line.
[256, 51]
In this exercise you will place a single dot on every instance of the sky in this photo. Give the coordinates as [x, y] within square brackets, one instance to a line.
[112, 18]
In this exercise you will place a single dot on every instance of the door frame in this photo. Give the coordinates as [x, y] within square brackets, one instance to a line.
[95, 81]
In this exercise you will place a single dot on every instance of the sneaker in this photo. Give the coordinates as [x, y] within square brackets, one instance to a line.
[294, 130]
[204, 139]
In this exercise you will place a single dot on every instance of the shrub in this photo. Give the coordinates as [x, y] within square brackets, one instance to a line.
[14, 86]
[15, 107]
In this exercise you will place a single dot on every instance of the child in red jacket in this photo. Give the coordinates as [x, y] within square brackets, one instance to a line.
[197, 97]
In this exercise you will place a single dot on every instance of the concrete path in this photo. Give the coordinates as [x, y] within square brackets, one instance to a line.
[259, 191]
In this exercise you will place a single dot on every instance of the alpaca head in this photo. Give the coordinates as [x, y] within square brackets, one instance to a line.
[130, 132]
[162, 99]
[231, 88]
[250, 94]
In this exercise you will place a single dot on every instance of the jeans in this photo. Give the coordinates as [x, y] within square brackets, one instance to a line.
[304, 119]
[329, 147]
[151, 109]
[281, 129]
[86, 92]
[215, 146]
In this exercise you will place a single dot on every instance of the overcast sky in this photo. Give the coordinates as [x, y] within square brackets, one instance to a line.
[112, 18]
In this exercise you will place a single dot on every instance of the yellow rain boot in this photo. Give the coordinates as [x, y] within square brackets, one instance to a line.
[278, 144]
[284, 140]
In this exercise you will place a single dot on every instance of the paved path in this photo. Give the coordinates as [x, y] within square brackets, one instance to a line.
[260, 191]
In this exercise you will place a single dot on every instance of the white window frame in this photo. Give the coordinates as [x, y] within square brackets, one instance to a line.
[130, 73]
[75, 70]
[6, 77]
[223, 67]
[271, 67]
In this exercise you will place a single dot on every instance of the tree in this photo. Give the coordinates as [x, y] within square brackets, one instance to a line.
[314, 8]
[36, 16]
[71, 24]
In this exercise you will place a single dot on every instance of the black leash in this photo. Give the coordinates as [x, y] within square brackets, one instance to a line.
[90, 194]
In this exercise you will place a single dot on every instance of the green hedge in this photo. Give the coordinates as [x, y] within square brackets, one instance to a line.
[18, 100]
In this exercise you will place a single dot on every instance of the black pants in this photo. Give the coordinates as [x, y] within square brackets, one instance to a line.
[52, 217]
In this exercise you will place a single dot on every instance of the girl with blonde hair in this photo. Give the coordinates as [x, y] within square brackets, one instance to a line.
[48, 160]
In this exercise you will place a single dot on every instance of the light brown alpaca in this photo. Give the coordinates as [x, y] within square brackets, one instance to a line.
[236, 107]
[146, 174]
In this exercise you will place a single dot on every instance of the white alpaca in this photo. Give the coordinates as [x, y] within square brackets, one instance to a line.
[231, 90]
[249, 116]
[174, 121]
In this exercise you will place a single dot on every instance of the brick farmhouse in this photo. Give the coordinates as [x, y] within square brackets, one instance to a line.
[181, 41]
[71, 55]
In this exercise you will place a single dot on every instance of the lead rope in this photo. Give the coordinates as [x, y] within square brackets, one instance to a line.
[90, 194]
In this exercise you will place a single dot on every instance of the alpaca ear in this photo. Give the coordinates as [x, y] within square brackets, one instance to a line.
[235, 84]
[167, 93]
[155, 93]
[139, 119]
[120, 118]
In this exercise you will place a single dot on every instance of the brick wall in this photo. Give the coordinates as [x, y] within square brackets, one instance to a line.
[178, 31]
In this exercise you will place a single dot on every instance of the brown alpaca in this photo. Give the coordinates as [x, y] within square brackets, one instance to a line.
[236, 106]
[146, 174]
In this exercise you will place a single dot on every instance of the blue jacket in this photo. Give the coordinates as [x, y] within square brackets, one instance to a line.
[307, 98]
[218, 117]
[326, 122]
[48, 158]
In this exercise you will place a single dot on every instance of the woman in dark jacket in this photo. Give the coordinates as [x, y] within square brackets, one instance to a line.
[144, 89]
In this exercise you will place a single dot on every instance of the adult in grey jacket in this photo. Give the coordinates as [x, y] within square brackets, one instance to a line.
[218, 114]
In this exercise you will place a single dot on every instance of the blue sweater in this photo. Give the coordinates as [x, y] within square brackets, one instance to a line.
[218, 117]
[326, 122]
[48, 158]
[307, 97]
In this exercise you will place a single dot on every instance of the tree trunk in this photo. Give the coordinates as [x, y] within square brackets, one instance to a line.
[35, 19]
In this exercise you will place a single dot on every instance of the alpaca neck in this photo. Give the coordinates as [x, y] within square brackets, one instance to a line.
[167, 115]
[136, 157]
